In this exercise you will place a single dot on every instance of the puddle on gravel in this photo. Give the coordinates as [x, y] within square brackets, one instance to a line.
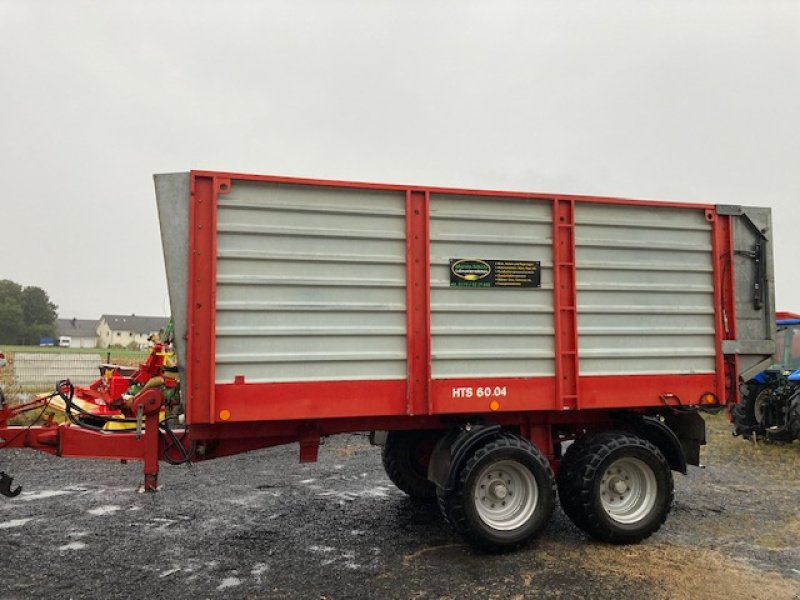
[169, 572]
[72, 546]
[258, 570]
[229, 582]
[104, 510]
[14, 523]
[29, 496]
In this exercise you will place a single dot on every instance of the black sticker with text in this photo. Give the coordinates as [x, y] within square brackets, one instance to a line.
[485, 273]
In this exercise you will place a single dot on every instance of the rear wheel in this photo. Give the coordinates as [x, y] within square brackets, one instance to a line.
[619, 488]
[503, 496]
[406, 456]
[794, 417]
[571, 503]
[749, 414]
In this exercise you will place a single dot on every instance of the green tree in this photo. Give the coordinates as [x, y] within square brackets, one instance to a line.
[26, 314]
[37, 307]
[10, 290]
[12, 320]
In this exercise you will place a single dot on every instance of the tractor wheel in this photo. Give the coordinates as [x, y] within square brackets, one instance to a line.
[503, 497]
[618, 488]
[794, 417]
[405, 458]
[748, 415]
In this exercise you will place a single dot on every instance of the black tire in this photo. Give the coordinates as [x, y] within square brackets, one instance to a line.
[570, 503]
[612, 463]
[794, 417]
[497, 521]
[405, 459]
[745, 418]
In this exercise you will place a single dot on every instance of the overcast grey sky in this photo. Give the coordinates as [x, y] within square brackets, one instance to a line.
[688, 101]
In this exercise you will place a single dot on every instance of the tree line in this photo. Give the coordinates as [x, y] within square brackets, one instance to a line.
[26, 314]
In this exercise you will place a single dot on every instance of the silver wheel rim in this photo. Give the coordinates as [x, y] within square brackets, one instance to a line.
[505, 495]
[628, 490]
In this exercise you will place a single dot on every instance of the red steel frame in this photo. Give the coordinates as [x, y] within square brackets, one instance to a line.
[241, 402]
[418, 298]
[240, 416]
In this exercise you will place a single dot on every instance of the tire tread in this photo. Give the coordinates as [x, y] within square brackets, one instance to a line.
[453, 505]
[576, 486]
[396, 456]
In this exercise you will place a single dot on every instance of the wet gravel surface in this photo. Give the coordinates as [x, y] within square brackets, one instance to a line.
[261, 525]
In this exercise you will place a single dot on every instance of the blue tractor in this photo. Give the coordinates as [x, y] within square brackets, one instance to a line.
[770, 402]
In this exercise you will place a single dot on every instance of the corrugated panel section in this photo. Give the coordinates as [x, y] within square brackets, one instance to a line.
[645, 290]
[310, 284]
[490, 332]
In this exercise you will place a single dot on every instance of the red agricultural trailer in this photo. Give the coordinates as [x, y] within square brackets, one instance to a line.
[501, 347]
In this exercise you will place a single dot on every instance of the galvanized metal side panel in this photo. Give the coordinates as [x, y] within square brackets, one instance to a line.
[172, 198]
[310, 283]
[490, 332]
[755, 289]
[645, 290]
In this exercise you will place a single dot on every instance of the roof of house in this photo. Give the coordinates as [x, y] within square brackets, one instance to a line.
[135, 323]
[78, 328]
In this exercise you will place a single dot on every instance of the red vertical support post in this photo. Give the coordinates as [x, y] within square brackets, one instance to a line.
[719, 309]
[565, 304]
[151, 440]
[725, 303]
[418, 349]
[202, 299]
[540, 434]
[148, 405]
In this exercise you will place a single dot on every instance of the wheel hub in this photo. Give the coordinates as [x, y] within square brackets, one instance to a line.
[505, 495]
[498, 490]
[619, 486]
[628, 490]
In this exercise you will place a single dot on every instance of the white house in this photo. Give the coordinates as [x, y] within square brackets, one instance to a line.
[82, 333]
[128, 330]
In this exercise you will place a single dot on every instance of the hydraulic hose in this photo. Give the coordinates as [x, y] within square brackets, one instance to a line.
[176, 442]
[70, 406]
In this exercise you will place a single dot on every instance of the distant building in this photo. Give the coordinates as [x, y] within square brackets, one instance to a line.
[81, 333]
[127, 330]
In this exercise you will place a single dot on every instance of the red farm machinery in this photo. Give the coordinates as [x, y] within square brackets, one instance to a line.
[504, 349]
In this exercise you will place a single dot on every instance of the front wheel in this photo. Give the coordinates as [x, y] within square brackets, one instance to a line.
[619, 488]
[503, 497]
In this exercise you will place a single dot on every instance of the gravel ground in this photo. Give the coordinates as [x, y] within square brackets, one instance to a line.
[261, 525]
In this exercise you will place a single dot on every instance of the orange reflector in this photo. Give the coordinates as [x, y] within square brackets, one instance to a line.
[709, 399]
[494, 405]
[224, 414]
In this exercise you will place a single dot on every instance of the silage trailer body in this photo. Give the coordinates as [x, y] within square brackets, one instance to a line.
[481, 330]
[304, 300]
